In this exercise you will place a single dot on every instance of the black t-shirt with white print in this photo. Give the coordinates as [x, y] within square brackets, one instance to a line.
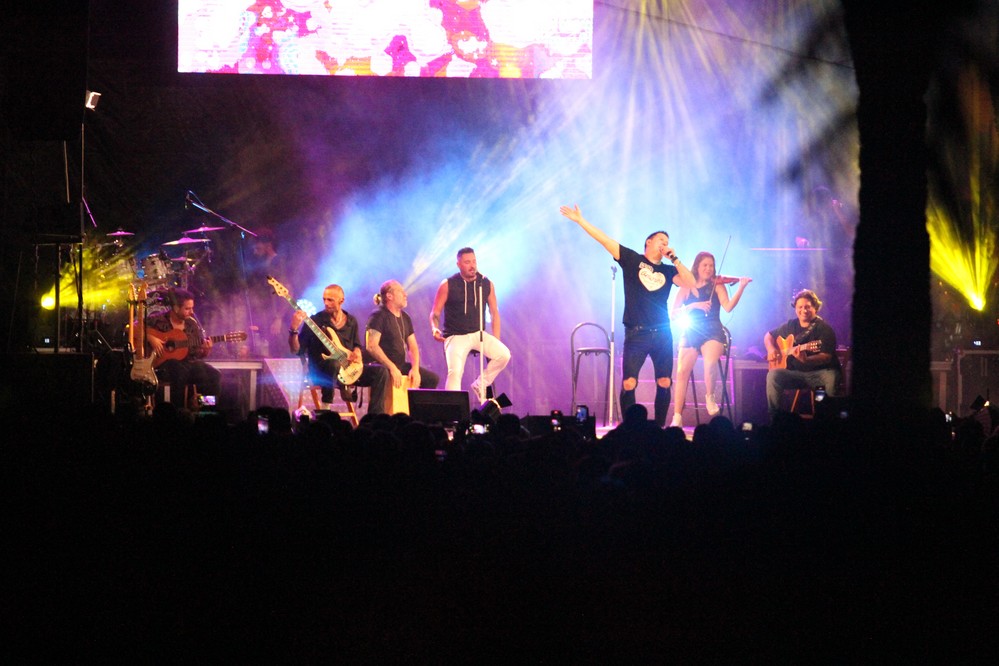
[646, 289]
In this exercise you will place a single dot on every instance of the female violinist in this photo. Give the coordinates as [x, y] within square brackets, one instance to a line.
[704, 333]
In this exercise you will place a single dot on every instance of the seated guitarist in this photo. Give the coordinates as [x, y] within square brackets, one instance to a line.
[190, 369]
[801, 352]
[336, 321]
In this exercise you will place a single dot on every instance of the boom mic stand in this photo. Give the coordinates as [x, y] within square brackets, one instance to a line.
[193, 199]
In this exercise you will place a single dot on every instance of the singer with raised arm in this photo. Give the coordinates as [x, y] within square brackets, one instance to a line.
[647, 284]
[461, 299]
[177, 337]
[700, 308]
[801, 352]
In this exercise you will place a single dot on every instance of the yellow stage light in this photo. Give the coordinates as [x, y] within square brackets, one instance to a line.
[969, 269]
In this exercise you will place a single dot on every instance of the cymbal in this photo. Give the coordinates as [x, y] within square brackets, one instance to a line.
[121, 232]
[200, 230]
[185, 240]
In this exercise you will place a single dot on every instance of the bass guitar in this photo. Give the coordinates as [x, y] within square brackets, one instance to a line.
[347, 372]
[176, 344]
[786, 347]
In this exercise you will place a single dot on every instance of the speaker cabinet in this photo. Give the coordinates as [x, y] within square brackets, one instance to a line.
[437, 406]
[39, 381]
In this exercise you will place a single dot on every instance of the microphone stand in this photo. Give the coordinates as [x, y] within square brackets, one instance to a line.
[610, 370]
[193, 199]
[482, 348]
[235, 225]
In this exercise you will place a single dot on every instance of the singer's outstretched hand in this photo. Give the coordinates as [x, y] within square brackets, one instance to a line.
[573, 213]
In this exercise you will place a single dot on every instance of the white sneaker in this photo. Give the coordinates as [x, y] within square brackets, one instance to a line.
[475, 389]
[712, 406]
[677, 421]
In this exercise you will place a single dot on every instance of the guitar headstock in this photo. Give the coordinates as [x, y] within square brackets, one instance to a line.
[279, 288]
[137, 293]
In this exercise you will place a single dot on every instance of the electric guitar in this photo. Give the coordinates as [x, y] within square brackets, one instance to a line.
[176, 344]
[142, 364]
[786, 347]
[347, 372]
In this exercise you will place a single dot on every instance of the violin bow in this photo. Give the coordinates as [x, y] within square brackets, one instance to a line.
[720, 264]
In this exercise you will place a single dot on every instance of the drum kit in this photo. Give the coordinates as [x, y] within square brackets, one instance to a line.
[160, 271]
[114, 268]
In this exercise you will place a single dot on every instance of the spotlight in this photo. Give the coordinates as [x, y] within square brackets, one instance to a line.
[681, 322]
[490, 409]
[92, 99]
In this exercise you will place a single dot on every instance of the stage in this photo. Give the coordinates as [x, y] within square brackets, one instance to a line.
[90, 378]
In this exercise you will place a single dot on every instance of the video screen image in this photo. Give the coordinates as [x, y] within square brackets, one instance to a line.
[530, 39]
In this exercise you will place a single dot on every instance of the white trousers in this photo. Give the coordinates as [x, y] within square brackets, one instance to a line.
[457, 348]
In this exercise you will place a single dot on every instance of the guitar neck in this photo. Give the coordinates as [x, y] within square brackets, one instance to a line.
[183, 342]
[334, 351]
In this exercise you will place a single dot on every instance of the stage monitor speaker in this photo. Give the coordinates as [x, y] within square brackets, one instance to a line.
[436, 406]
[36, 381]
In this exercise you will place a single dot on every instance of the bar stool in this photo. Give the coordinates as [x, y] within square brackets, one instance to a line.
[348, 394]
[843, 384]
[726, 401]
[164, 391]
[797, 398]
[579, 352]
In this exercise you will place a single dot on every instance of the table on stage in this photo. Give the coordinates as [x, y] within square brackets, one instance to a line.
[250, 368]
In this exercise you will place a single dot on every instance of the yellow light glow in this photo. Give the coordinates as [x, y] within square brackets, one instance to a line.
[970, 270]
[106, 280]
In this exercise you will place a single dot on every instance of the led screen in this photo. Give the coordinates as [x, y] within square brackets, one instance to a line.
[419, 38]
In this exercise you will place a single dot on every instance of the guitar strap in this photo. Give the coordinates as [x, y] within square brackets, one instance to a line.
[808, 331]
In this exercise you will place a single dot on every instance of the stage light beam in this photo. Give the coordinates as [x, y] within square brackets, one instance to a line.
[969, 269]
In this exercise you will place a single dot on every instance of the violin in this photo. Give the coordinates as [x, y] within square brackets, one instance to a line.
[725, 279]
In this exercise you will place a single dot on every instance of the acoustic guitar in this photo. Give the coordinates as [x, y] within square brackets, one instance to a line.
[347, 372]
[786, 347]
[176, 344]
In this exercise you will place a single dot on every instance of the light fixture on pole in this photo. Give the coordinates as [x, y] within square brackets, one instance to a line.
[92, 99]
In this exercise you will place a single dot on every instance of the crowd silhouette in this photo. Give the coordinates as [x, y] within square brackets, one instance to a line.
[179, 536]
